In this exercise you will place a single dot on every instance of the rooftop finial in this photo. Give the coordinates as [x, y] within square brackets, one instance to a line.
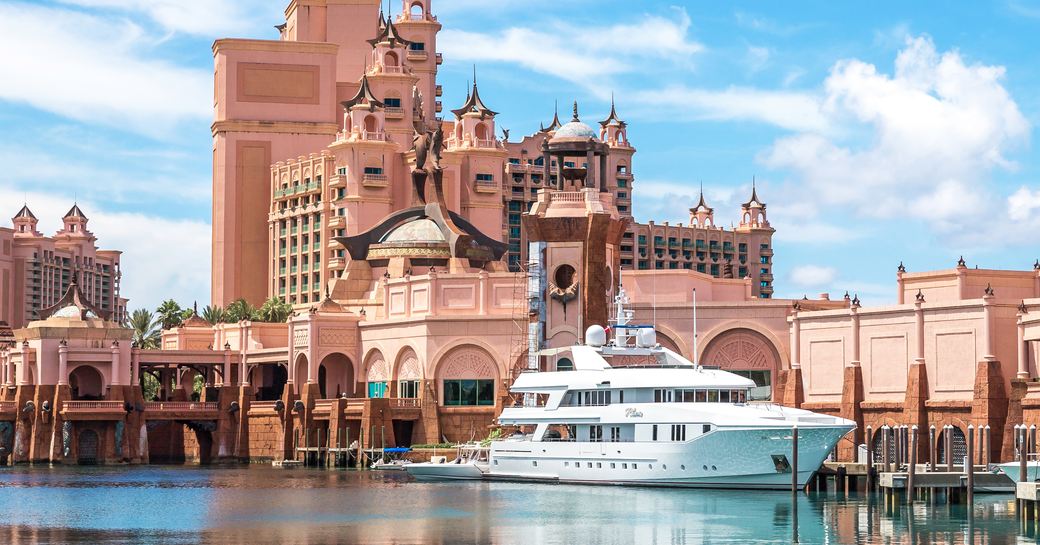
[576, 111]
[920, 296]
[474, 74]
[960, 262]
[855, 300]
[901, 268]
[1036, 265]
[989, 290]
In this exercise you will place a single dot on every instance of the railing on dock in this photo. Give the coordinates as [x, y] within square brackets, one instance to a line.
[7, 407]
[180, 406]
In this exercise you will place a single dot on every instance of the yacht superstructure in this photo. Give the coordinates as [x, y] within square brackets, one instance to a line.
[652, 418]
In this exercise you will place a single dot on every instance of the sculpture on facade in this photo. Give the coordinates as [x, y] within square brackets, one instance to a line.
[427, 146]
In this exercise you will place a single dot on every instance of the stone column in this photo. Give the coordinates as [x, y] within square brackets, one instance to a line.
[225, 375]
[919, 329]
[135, 367]
[23, 367]
[899, 283]
[4, 357]
[854, 314]
[590, 169]
[63, 362]
[603, 174]
[1023, 354]
[796, 336]
[115, 364]
[987, 329]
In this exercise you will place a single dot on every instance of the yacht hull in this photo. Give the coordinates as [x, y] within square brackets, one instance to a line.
[427, 471]
[758, 458]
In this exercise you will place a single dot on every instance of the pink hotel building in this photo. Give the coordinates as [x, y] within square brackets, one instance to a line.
[417, 303]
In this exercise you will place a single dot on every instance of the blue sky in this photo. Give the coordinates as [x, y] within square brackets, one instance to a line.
[878, 133]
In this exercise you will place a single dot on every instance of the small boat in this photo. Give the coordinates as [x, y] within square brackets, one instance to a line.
[471, 463]
[1014, 470]
[391, 459]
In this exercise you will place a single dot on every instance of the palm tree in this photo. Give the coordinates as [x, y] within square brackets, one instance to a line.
[170, 314]
[213, 314]
[239, 310]
[274, 310]
[146, 330]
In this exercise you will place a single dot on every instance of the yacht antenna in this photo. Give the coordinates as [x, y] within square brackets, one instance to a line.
[696, 364]
[653, 289]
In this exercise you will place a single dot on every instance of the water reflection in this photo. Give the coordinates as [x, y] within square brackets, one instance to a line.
[258, 505]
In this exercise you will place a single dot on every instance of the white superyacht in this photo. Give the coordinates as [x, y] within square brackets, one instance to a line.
[652, 419]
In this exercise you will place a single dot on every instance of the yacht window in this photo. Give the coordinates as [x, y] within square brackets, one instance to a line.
[741, 396]
[658, 395]
[724, 396]
[566, 464]
[621, 396]
[615, 434]
[588, 465]
[678, 432]
[705, 428]
[635, 466]
[653, 433]
[572, 432]
[624, 466]
[702, 396]
[595, 434]
[612, 466]
[688, 396]
[564, 364]
[713, 396]
[599, 465]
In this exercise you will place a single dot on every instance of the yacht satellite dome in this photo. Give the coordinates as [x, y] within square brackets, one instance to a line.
[596, 336]
[646, 337]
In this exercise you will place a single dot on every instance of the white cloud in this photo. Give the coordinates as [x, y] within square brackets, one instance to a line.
[813, 276]
[162, 257]
[1024, 205]
[585, 55]
[200, 17]
[795, 111]
[757, 57]
[929, 135]
[92, 68]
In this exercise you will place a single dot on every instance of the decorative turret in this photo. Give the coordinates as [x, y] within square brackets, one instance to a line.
[753, 212]
[702, 215]
[25, 223]
[613, 130]
[555, 124]
[415, 10]
[364, 117]
[75, 223]
[474, 122]
[388, 50]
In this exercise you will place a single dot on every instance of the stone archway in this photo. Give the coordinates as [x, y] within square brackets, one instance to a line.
[467, 376]
[408, 374]
[86, 382]
[748, 353]
[377, 375]
[300, 372]
[336, 376]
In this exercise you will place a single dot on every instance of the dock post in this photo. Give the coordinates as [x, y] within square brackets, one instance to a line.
[970, 466]
[296, 443]
[870, 459]
[985, 447]
[1031, 442]
[841, 480]
[346, 445]
[318, 460]
[1022, 454]
[794, 459]
[885, 441]
[932, 448]
[948, 446]
[912, 470]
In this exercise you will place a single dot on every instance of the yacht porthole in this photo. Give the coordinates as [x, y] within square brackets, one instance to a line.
[635, 466]
[612, 466]
[713, 468]
[705, 468]
[664, 466]
[651, 466]
[535, 463]
[683, 467]
[624, 466]
[566, 464]
[496, 462]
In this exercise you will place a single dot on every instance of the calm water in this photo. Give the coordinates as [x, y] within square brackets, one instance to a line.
[256, 505]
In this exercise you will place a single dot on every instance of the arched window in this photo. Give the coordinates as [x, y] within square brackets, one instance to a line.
[415, 12]
[371, 123]
[564, 364]
[390, 59]
[481, 132]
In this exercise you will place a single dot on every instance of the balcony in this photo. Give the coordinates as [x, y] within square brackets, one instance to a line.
[394, 112]
[417, 55]
[180, 410]
[438, 104]
[485, 186]
[333, 245]
[373, 136]
[440, 60]
[490, 143]
[338, 180]
[337, 264]
[375, 180]
[7, 408]
[438, 91]
[93, 410]
[385, 69]
[337, 222]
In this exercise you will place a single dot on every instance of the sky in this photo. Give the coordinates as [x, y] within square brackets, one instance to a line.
[877, 132]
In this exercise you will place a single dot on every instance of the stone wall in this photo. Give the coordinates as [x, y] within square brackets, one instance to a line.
[265, 438]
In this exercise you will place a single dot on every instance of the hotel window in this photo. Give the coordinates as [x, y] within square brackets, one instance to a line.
[408, 388]
[763, 284]
[469, 393]
[622, 183]
[514, 161]
[615, 434]
[342, 171]
[376, 389]
[392, 102]
[374, 170]
[764, 270]
[622, 195]
[417, 46]
[595, 434]
[485, 177]
[764, 260]
[622, 209]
